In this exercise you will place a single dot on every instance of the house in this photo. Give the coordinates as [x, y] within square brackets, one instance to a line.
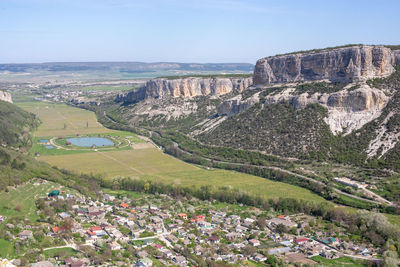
[54, 193]
[124, 205]
[114, 246]
[254, 242]
[172, 238]
[213, 239]
[331, 241]
[58, 229]
[232, 236]
[95, 228]
[166, 253]
[182, 215]
[25, 234]
[301, 241]
[259, 257]
[199, 218]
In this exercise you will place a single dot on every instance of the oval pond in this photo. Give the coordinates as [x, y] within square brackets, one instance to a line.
[90, 141]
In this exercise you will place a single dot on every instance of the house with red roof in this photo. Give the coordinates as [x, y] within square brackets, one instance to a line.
[124, 205]
[301, 240]
[183, 215]
[57, 229]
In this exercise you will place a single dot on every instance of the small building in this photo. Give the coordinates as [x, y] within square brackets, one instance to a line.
[254, 242]
[57, 229]
[301, 241]
[182, 215]
[114, 246]
[213, 239]
[54, 193]
[124, 205]
[25, 234]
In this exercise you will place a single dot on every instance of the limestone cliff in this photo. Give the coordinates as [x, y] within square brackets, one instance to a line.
[186, 88]
[344, 64]
[4, 96]
[236, 105]
[396, 54]
[348, 110]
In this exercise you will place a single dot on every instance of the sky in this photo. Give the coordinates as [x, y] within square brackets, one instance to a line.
[187, 30]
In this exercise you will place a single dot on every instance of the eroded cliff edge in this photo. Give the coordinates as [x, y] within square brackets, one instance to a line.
[343, 64]
[186, 88]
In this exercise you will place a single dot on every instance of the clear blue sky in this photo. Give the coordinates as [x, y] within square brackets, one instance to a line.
[187, 30]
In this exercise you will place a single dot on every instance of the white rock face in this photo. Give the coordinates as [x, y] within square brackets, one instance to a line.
[4, 96]
[396, 54]
[344, 64]
[236, 104]
[186, 88]
[347, 110]
[384, 140]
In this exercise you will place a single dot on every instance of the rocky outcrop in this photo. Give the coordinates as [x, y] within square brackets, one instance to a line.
[186, 88]
[345, 64]
[347, 109]
[396, 54]
[236, 105]
[4, 96]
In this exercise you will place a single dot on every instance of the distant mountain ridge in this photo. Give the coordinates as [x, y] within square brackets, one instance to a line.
[126, 66]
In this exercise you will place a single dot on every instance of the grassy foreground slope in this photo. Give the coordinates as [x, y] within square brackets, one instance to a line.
[147, 163]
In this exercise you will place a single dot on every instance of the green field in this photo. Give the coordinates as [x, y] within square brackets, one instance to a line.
[144, 162]
[65, 252]
[61, 120]
[6, 249]
[154, 165]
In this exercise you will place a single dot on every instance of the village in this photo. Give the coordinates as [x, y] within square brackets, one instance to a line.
[158, 230]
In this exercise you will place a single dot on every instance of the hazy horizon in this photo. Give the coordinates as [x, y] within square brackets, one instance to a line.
[225, 31]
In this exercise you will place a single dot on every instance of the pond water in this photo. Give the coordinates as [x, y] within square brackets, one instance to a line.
[90, 141]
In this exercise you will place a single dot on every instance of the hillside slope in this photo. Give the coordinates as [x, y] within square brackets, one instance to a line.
[16, 166]
[16, 125]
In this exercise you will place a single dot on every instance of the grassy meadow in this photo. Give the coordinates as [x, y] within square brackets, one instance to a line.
[61, 119]
[146, 162]
[20, 201]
